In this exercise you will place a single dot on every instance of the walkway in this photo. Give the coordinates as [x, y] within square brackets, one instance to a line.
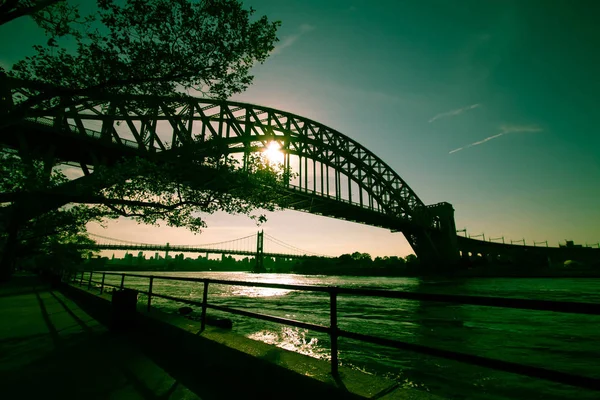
[50, 348]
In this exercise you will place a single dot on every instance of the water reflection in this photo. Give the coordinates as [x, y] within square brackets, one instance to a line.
[249, 291]
[293, 339]
[438, 325]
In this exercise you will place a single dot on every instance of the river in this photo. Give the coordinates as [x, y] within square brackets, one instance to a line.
[564, 342]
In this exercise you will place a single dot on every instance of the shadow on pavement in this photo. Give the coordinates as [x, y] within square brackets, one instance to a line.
[80, 361]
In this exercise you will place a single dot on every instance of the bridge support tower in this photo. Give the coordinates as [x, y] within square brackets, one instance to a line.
[260, 256]
[437, 248]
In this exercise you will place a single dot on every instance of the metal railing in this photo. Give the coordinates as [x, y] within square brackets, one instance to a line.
[49, 122]
[335, 332]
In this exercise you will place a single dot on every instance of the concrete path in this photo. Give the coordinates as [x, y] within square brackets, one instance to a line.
[50, 348]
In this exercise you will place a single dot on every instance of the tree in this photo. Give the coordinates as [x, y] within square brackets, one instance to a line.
[361, 257]
[53, 238]
[411, 260]
[154, 47]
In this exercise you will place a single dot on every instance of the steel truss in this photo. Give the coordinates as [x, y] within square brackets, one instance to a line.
[335, 175]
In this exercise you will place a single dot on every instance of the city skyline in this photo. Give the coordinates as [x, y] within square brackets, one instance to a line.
[485, 106]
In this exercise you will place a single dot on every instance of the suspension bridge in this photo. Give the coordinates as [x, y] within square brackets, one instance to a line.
[258, 245]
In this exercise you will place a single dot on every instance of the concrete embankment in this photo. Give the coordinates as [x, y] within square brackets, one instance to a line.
[219, 364]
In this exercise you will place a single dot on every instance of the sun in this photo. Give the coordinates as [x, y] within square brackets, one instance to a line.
[273, 153]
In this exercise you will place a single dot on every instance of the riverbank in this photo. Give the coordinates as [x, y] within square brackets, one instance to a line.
[58, 339]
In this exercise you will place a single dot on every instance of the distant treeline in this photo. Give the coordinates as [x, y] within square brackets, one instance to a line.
[179, 263]
[357, 264]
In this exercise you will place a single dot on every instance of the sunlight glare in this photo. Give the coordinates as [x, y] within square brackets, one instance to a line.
[273, 153]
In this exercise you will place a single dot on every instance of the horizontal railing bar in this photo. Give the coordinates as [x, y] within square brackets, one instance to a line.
[507, 366]
[325, 289]
[114, 286]
[526, 304]
[270, 318]
[285, 321]
[177, 299]
[167, 278]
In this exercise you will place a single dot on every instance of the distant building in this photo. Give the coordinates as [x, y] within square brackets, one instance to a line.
[570, 244]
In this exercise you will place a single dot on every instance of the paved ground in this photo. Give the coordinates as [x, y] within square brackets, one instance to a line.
[50, 348]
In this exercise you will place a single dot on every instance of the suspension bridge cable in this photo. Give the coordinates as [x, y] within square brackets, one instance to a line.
[172, 245]
[113, 239]
[240, 244]
[289, 246]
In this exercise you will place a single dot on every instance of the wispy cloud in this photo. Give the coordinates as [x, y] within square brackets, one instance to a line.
[519, 128]
[291, 39]
[454, 112]
[504, 129]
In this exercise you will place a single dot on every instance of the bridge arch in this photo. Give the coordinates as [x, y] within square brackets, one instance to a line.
[333, 169]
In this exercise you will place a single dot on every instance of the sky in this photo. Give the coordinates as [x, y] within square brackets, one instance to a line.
[488, 105]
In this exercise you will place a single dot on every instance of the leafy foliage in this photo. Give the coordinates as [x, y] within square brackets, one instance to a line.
[150, 47]
[176, 192]
[17, 175]
[53, 235]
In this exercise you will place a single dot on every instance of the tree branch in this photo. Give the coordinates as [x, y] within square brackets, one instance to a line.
[91, 199]
[20, 12]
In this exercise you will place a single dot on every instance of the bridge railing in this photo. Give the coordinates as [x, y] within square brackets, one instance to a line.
[335, 332]
[91, 133]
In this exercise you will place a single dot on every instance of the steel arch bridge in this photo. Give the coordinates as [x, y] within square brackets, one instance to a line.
[335, 175]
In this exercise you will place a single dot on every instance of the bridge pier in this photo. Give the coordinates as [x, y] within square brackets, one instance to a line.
[437, 248]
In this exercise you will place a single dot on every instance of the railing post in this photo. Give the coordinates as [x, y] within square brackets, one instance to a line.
[150, 293]
[102, 284]
[204, 302]
[90, 280]
[81, 280]
[122, 281]
[333, 330]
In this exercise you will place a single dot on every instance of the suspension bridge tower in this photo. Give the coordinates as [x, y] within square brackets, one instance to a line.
[260, 255]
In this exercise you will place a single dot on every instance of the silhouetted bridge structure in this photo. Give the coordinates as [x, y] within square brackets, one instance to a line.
[523, 254]
[335, 176]
[258, 245]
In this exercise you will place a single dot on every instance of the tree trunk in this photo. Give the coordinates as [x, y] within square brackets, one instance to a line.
[8, 256]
